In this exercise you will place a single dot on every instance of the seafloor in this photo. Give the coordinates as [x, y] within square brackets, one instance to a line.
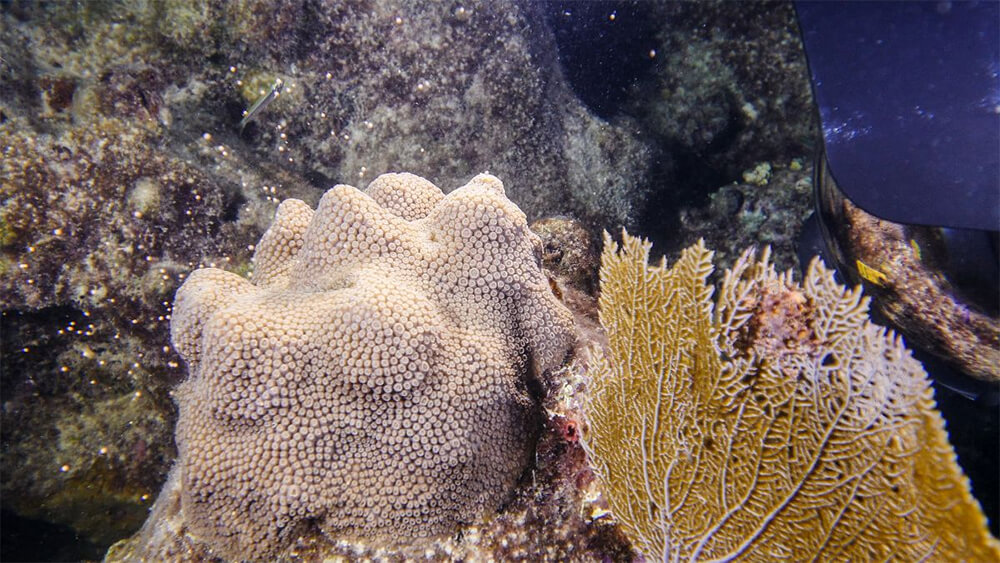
[125, 167]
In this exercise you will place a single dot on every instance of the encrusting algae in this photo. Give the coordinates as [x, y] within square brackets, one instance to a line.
[772, 422]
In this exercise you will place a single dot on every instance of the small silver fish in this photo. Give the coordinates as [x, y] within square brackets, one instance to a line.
[262, 103]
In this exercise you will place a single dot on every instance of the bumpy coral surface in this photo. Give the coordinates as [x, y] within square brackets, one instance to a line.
[773, 422]
[379, 377]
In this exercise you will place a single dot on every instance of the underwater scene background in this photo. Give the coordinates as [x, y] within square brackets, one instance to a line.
[144, 141]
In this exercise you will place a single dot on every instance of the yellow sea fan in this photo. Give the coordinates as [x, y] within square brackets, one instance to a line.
[775, 423]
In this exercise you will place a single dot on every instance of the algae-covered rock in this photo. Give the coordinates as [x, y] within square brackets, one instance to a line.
[764, 209]
[730, 86]
[716, 87]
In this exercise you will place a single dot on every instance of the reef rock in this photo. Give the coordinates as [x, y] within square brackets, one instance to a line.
[731, 88]
[379, 377]
[768, 207]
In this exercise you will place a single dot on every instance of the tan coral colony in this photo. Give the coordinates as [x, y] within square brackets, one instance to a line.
[377, 378]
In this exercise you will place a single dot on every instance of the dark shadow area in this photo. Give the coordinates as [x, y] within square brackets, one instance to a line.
[604, 49]
[683, 181]
[23, 539]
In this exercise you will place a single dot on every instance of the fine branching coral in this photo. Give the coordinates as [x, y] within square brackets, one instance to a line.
[378, 378]
[775, 422]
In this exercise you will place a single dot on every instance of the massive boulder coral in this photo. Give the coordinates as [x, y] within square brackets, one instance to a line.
[378, 378]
